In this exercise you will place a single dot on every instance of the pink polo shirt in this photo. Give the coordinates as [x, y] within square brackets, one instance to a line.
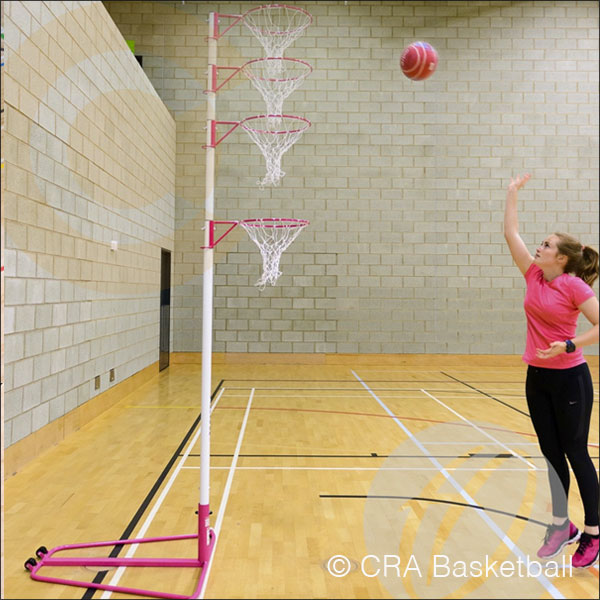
[551, 309]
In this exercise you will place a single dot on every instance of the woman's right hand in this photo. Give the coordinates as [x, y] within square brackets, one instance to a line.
[518, 182]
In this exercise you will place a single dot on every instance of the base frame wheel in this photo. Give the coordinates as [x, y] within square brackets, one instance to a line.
[30, 563]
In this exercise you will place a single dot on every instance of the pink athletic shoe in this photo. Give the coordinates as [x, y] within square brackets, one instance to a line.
[557, 538]
[587, 552]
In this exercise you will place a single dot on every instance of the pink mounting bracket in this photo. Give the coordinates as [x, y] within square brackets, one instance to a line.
[216, 34]
[214, 142]
[211, 232]
[214, 72]
[206, 542]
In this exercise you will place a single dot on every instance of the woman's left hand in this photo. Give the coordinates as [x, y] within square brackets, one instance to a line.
[555, 349]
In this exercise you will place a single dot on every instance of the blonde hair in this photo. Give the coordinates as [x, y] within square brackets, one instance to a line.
[581, 260]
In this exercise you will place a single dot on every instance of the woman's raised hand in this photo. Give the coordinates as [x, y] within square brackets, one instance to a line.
[518, 182]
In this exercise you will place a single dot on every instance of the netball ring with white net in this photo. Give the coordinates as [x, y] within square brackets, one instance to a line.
[273, 134]
[272, 236]
[275, 26]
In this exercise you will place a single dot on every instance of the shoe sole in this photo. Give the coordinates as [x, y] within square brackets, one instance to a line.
[561, 548]
[590, 564]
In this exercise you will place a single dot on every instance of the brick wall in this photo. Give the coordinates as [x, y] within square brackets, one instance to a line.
[89, 149]
[403, 182]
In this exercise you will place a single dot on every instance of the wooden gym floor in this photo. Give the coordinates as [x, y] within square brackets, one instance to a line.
[340, 477]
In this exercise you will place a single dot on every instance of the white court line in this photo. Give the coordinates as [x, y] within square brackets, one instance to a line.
[226, 491]
[346, 389]
[280, 468]
[133, 547]
[319, 396]
[591, 444]
[343, 394]
[491, 437]
[544, 581]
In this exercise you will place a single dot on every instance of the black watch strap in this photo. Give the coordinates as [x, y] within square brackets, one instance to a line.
[570, 346]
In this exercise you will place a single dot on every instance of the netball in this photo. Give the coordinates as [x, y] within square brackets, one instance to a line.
[418, 61]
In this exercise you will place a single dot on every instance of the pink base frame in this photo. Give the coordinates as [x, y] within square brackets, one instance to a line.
[206, 541]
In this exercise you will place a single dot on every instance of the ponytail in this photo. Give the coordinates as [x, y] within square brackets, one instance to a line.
[589, 267]
[582, 261]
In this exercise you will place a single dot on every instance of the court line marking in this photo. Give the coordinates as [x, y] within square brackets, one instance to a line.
[226, 492]
[472, 387]
[432, 500]
[542, 579]
[292, 468]
[444, 390]
[131, 551]
[593, 444]
[491, 437]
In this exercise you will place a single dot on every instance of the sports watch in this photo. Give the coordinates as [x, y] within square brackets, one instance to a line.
[570, 346]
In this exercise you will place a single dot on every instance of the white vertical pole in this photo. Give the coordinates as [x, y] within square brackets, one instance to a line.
[207, 299]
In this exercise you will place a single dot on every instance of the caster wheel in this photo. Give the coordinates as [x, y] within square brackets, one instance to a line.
[41, 552]
[30, 563]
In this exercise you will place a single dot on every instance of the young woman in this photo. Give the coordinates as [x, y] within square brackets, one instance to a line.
[559, 386]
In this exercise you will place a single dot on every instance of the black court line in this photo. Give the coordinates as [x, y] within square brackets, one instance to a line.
[99, 578]
[375, 455]
[488, 395]
[372, 455]
[435, 500]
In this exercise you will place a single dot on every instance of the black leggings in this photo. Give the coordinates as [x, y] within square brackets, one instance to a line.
[560, 403]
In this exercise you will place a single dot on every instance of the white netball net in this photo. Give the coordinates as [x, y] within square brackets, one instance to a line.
[272, 236]
[276, 26]
[276, 79]
[274, 135]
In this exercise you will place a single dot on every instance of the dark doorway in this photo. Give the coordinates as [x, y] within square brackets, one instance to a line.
[165, 309]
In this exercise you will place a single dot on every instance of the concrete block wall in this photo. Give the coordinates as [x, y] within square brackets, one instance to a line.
[403, 182]
[89, 149]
